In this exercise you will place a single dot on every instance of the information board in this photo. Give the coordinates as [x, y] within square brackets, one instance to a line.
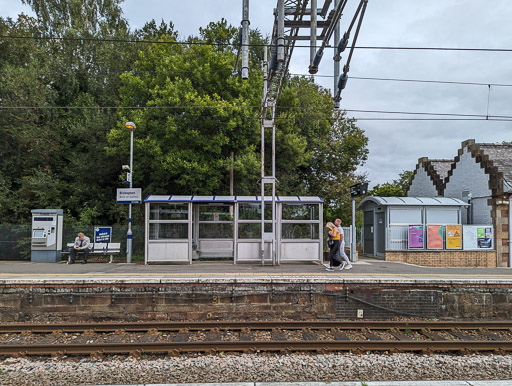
[453, 236]
[484, 237]
[102, 234]
[415, 237]
[478, 237]
[435, 236]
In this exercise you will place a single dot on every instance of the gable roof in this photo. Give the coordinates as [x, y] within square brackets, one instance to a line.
[494, 158]
[436, 169]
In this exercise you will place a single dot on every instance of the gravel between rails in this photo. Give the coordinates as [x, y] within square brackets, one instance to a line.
[252, 368]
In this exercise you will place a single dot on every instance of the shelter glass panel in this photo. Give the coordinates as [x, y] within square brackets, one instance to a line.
[252, 211]
[300, 231]
[162, 231]
[215, 213]
[252, 230]
[216, 231]
[301, 212]
[168, 212]
[405, 216]
[442, 216]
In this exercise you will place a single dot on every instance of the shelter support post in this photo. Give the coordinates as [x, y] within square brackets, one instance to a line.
[353, 232]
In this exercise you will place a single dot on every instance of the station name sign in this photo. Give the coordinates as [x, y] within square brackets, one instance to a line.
[129, 195]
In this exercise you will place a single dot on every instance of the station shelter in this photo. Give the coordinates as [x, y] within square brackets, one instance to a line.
[183, 229]
[425, 231]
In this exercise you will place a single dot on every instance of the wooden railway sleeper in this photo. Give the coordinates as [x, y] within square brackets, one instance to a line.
[97, 354]
[20, 354]
[175, 352]
[59, 354]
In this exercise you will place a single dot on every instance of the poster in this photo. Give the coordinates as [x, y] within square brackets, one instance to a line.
[484, 237]
[434, 236]
[453, 236]
[102, 234]
[415, 237]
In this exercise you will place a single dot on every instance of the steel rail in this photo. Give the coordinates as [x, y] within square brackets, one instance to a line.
[175, 348]
[254, 325]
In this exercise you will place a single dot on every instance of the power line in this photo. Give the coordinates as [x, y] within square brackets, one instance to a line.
[486, 84]
[162, 108]
[413, 80]
[104, 40]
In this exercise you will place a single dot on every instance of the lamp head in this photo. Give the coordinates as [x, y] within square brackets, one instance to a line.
[130, 126]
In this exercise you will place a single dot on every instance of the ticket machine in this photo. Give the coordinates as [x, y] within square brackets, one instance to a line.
[47, 228]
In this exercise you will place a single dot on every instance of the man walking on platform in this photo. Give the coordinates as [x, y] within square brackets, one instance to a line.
[346, 264]
[82, 244]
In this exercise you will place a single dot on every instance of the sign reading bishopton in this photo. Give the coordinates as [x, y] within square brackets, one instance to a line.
[129, 195]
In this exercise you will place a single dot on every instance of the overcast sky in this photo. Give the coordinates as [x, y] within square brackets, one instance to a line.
[394, 145]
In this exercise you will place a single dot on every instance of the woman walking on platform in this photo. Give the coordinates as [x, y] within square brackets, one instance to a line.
[333, 242]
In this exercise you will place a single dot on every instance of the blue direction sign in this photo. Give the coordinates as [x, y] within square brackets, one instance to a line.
[102, 234]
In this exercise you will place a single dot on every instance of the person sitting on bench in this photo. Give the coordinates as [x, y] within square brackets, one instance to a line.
[82, 244]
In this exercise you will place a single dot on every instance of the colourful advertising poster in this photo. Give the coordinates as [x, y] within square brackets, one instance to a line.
[435, 236]
[453, 236]
[484, 237]
[415, 237]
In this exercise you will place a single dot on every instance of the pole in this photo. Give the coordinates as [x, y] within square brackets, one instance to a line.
[336, 57]
[353, 232]
[129, 233]
[312, 48]
[245, 39]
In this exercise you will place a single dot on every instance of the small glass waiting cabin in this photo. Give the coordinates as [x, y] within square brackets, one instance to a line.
[181, 229]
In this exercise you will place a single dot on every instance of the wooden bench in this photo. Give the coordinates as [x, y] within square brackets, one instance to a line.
[97, 249]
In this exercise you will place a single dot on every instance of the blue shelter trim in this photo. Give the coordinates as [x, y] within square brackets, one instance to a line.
[232, 199]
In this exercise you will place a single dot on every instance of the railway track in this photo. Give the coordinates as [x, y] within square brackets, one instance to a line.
[175, 338]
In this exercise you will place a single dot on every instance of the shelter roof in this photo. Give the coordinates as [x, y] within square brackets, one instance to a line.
[412, 201]
[231, 199]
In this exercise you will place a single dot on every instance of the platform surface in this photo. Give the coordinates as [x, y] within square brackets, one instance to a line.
[366, 269]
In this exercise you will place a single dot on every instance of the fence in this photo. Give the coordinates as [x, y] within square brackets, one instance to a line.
[15, 239]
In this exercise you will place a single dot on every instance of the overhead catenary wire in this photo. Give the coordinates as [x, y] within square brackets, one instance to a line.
[183, 107]
[162, 109]
[192, 42]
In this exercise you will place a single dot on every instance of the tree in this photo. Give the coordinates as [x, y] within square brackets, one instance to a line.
[320, 147]
[194, 117]
[397, 188]
[55, 153]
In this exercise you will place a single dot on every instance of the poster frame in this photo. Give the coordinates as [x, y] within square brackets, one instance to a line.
[409, 237]
[443, 238]
[461, 236]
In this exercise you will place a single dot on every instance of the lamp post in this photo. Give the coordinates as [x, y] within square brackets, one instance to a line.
[130, 126]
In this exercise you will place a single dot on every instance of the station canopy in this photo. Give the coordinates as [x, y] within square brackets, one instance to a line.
[233, 199]
[413, 201]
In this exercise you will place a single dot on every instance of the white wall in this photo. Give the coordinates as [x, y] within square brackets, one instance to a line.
[422, 185]
[469, 176]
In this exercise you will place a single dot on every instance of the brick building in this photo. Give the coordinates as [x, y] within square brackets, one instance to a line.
[481, 175]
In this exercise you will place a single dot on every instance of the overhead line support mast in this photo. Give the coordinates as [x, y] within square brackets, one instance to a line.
[289, 18]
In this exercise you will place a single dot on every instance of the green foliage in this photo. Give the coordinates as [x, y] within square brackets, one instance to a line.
[195, 124]
[397, 188]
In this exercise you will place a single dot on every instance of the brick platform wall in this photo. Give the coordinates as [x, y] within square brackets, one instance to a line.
[470, 259]
[254, 301]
